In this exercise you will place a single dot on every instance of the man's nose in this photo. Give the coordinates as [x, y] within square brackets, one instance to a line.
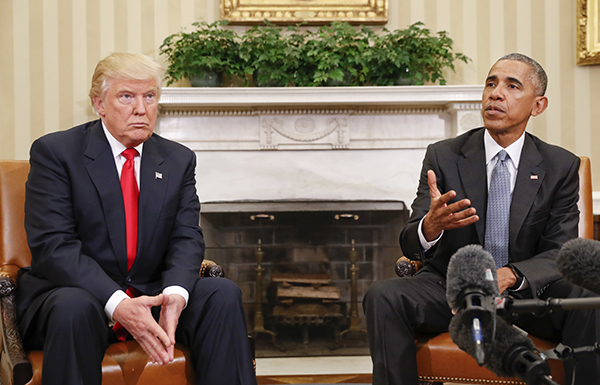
[497, 94]
[138, 106]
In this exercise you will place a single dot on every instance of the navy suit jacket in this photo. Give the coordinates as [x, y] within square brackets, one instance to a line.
[75, 219]
[543, 212]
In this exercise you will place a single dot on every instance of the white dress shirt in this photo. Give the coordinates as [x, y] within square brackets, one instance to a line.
[117, 148]
[491, 151]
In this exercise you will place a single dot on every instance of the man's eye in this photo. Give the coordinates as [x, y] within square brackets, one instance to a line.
[126, 98]
[150, 98]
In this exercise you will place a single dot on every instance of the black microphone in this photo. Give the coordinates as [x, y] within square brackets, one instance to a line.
[471, 285]
[579, 262]
[508, 350]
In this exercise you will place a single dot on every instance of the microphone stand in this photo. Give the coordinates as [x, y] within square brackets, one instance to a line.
[541, 307]
[563, 352]
[511, 307]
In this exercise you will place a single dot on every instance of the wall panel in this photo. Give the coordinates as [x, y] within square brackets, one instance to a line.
[49, 50]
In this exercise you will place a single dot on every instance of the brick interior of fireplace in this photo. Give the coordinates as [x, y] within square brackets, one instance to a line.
[304, 238]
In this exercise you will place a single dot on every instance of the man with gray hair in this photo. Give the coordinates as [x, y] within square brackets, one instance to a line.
[112, 221]
[524, 190]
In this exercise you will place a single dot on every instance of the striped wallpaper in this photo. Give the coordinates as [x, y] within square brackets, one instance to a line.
[48, 50]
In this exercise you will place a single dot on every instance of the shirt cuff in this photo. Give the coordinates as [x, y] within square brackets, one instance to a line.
[424, 244]
[112, 304]
[521, 283]
[178, 290]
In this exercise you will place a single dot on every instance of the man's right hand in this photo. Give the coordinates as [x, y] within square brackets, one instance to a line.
[135, 316]
[443, 216]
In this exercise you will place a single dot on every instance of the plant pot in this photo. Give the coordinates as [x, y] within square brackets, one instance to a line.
[346, 81]
[404, 79]
[207, 78]
[266, 83]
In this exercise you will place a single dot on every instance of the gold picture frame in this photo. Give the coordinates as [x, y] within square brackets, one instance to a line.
[588, 34]
[312, 12]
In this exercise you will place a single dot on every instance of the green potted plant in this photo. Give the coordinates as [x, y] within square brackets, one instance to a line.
[203, 55]
[271, 57]
[412, 56]
[339, 53]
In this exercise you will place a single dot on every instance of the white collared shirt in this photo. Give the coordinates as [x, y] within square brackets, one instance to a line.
[117, 148]
[491, 150]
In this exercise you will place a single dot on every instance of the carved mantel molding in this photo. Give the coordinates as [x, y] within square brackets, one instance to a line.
[338, 143]
[317, 118]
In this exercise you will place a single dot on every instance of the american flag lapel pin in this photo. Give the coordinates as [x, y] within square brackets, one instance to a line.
[533, 177]
[158, 175]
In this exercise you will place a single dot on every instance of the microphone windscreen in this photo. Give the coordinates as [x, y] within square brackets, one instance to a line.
[579, 262]
[470, 267]
[505, 338]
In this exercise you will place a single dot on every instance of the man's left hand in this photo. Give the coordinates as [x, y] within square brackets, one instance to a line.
[506, 278]
[170, 311]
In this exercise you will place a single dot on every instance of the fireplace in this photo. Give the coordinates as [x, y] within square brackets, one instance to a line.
[305, 253]
[307, 179]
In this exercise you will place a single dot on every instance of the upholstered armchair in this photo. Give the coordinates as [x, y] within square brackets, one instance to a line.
[440, 361]
[124, 362]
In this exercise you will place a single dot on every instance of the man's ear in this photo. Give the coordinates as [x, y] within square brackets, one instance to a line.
[99, 105]
[540, 105]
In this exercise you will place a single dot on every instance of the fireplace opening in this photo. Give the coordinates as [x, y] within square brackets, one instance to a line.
[303, 268]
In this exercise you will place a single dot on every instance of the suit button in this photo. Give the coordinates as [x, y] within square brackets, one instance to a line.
[128, 279]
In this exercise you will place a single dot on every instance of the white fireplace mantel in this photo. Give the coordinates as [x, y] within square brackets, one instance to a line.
[332, 143]
[256, 97]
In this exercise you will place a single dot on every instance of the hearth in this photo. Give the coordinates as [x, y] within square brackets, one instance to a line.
[304, 266]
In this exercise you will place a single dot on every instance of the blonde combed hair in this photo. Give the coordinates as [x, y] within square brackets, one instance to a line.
[125, 65]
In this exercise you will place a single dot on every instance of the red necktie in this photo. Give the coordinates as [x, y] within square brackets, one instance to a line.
[131, 195]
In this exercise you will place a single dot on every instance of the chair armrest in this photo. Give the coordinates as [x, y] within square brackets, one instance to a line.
[211, 269]
[11, 272]
[15, 364]
[407, 268]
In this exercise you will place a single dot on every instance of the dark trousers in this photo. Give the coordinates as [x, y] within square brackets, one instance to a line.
[71, 327]
[398, 308]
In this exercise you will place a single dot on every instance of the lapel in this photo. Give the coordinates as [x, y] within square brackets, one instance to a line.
[470, 169]
[103, 173]
[153, 187]
[526, 188]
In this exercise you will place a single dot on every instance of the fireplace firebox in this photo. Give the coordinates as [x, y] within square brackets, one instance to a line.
[304, 266]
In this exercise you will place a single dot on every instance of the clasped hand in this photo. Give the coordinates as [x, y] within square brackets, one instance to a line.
[157, 339]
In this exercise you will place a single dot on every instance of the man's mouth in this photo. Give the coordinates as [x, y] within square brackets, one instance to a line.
[493, 109]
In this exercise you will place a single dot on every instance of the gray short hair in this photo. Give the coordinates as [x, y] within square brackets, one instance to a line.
[538, 76]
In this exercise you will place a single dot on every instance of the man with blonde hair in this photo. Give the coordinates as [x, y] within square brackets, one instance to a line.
[112, 218]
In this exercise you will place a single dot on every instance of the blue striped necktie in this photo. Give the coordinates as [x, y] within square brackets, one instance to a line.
[498, 211]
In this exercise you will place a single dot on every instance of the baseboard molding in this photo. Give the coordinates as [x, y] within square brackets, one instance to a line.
[316, 379]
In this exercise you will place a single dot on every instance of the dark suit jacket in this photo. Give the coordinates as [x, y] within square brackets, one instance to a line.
[543, 213]
[75, 220]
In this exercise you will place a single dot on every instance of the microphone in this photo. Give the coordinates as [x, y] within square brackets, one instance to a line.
[509, 354]
[471, 285]
[578, 261]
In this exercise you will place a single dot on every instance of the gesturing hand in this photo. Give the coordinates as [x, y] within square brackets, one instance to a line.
[135, 316]
[444, 216]
[170, 311]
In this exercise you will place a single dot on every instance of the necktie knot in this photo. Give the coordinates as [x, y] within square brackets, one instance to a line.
[129, 153]
[502, 155]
